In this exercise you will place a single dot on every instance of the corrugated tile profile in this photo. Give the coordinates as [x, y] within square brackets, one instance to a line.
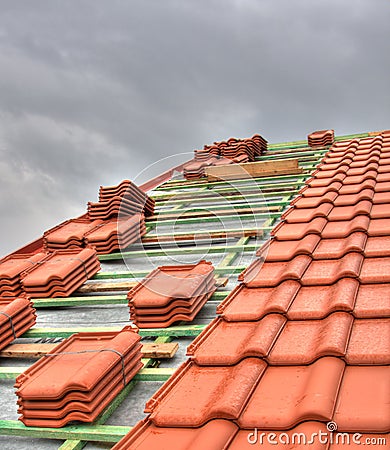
[304, 339]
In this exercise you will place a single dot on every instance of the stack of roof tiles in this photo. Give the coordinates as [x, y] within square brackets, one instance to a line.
[195, 169]
[171, 293]
[17, 315]
[11, 268]
[126, 199]
[69, 234]
[225, 152]
[116, 234]
[302, 345]
[60, 274]
[321, 138]
[105, 235]
[79, 378]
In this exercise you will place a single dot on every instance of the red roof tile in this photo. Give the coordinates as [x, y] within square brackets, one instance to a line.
[246, 304]
[327, 337]
[268, 274]
[226, 343]
[195, 394]
[215, 434]
[286, 396]
[337, 248]
[363, 401]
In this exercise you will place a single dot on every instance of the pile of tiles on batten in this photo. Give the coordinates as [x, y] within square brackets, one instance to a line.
[123, 200]
[17, 315]
[321, 138]
[60, 273]
[79, 378]
[105, 235]
[225, 152]
[11, 268]
[171, 293]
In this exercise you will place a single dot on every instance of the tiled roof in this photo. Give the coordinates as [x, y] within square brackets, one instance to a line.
[304, 340]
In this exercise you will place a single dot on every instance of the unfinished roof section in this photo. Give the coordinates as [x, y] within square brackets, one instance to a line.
[304, 340]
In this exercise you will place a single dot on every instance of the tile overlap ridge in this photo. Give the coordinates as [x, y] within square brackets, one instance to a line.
[304, 339]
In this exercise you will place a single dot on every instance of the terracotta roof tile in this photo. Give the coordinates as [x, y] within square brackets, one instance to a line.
[308, 191]
[285, 250]
[226, 343]
[344, 228]
[369, 342]
[380, 211]
[337, 248]
[322, 182]
[375, 270]
[354, 198]
[316, 302]
[358, 178]
[215, 434]
[329, 271]
[381, 197]
[288, 395]
[349, 212]
[195, 395]
[304, 215]
[295, 231]
[379, 227]
[373, 301]
[377, 246]
[269, 274]
[362, 404]
[327, 337]
[313, 202]
[348, 189]
[254, 303]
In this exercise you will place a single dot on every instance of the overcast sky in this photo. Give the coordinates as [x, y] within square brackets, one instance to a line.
[92, 92]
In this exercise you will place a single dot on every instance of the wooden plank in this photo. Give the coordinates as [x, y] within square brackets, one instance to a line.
[80, 301]
[173, 331]
[112, 286]
[228, 270]
[145, 374]
[253, 169]
[93, 433]
[185, 236]
[149, 350]
[212, 211]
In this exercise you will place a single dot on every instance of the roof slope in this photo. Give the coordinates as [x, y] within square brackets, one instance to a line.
[303, 344]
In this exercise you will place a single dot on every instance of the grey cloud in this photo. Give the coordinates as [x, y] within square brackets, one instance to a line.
[92, 91]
